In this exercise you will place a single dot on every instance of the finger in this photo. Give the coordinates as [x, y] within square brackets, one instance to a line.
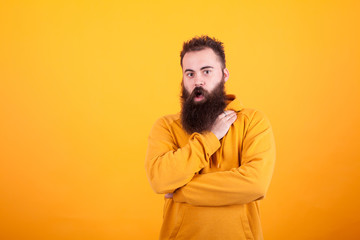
[230, 118]
[225, 113]
[226, 119]
[231, 115]
[169, 195]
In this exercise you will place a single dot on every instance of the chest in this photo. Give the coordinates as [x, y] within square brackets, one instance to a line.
[228, 156]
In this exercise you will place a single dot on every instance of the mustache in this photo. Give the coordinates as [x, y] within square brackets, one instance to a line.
[197, 91]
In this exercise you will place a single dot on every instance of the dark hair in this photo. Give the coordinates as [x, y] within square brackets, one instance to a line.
[202, 42]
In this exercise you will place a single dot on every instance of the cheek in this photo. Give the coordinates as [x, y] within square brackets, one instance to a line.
[211, 85]
[187, 86]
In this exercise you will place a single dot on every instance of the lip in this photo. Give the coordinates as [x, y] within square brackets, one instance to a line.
[198, 99]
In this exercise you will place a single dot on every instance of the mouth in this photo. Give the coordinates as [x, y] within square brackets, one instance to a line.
[198, 95]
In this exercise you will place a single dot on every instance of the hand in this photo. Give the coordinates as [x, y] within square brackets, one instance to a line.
[169, 195]
[223, 123]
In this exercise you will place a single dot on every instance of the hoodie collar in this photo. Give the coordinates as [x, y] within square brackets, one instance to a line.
[233, 103]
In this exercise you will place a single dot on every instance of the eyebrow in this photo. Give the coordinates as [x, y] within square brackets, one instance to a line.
[190, 70]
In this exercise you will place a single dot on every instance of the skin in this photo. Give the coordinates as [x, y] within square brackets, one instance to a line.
[203, 68]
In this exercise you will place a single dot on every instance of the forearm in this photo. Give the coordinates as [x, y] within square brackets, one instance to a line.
[168, 170]
[237, 186]
[244, 184]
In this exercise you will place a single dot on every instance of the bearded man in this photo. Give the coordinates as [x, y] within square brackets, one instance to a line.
[214, 160]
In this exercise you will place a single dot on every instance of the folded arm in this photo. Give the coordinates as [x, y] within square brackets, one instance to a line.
[240, 185]
[169, 167]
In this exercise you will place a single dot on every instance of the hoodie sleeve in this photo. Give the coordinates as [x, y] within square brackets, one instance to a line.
[169, 167]
[240, 185]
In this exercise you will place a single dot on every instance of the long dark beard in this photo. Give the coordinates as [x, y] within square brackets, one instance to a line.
[200, 116]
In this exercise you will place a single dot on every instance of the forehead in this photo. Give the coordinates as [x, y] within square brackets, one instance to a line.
[197, 59]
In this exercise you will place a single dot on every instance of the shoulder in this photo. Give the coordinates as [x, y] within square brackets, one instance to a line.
[251, 116]
[167, 121]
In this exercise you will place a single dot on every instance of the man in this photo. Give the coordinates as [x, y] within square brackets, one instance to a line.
[214, 160]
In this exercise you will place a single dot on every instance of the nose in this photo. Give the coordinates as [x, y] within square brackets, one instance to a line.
[199, 82]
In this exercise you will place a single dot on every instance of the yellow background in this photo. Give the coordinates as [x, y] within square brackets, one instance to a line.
[82, 82]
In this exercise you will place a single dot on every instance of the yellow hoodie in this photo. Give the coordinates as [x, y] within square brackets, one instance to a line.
[216, 185]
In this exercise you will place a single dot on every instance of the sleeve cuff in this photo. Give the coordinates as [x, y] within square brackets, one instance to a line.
[178, 196]
[212, 142]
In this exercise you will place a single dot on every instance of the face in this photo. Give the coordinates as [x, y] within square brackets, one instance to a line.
[202, 69]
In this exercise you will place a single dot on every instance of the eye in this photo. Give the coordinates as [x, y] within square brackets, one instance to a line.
[190, 74]
[207, 72]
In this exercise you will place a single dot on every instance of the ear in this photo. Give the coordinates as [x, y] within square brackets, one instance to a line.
[226, 74]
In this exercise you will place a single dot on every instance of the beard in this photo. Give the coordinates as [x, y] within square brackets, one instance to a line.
[200, 116]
